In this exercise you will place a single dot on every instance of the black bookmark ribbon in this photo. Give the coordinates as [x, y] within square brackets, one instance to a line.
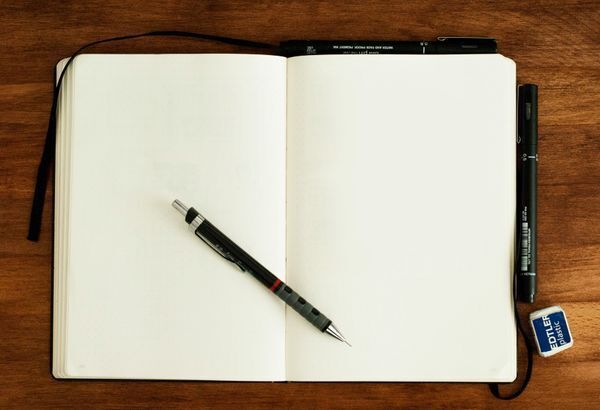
[41, 184]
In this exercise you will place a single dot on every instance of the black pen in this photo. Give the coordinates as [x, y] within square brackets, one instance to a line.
[225, 247]
[527, 191]
[443, 45]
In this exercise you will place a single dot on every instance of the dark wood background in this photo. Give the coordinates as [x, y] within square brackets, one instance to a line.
[555, 44]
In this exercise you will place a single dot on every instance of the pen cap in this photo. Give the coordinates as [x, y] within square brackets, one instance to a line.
[528, 114]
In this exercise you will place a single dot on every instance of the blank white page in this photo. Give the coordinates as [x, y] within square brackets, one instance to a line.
[145, 297]
[400, 217]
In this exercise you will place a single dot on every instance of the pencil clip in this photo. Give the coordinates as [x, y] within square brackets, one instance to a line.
[222, 253]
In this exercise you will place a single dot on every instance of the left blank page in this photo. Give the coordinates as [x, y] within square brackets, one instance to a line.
[143, 297]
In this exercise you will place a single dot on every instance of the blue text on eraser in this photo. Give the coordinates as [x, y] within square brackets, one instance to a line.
[551, 330]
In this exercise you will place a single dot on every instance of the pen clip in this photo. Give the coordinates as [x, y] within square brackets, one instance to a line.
[466, 45]
[222, 252]
[465, 38]
[520, 117]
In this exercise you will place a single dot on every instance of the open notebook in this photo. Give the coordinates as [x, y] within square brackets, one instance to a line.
[380, 187]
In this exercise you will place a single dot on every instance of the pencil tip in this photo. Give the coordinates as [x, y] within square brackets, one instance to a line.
[333, 331]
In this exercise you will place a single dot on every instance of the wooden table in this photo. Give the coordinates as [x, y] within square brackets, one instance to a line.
[554, 43]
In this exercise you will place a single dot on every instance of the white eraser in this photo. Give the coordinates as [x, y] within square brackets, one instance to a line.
[551, 330]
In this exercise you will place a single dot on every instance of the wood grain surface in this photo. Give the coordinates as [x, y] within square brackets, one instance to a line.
[554, 43]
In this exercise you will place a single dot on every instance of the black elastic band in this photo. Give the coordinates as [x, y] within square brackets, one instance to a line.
[494, 386]
[37, 208]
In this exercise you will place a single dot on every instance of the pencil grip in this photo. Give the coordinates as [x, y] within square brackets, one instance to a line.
[305, 309]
